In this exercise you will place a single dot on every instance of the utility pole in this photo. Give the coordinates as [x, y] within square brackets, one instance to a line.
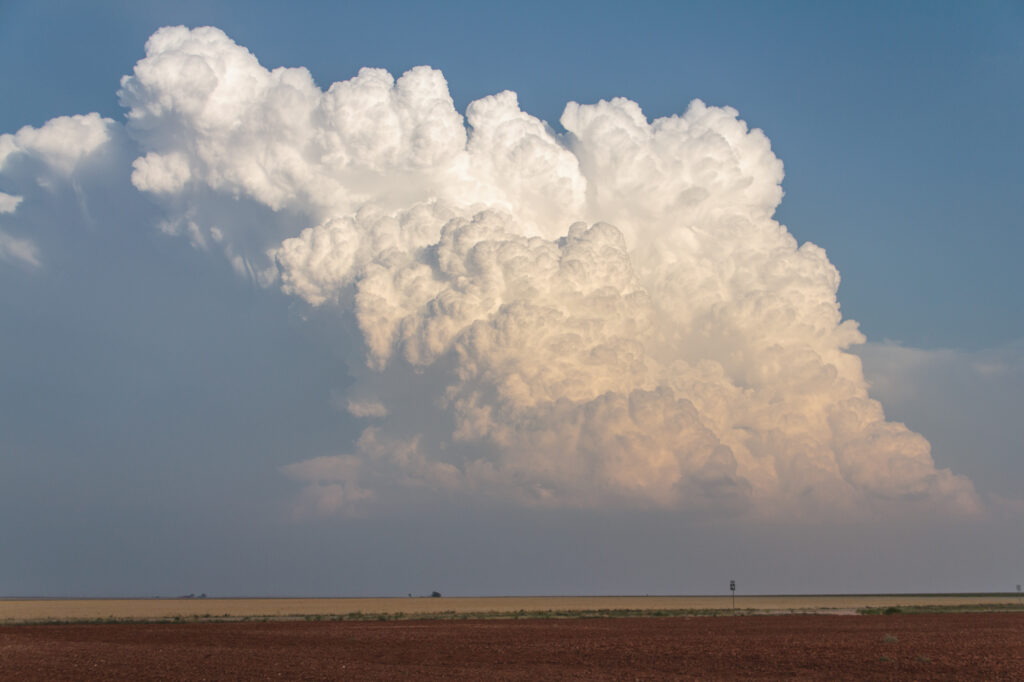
[732, 588]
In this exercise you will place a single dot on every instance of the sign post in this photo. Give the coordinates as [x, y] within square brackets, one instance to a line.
[732, 588]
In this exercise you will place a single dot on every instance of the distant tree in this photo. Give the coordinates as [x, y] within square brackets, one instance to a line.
[435, 593]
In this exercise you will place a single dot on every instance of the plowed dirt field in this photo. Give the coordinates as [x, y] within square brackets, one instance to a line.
[987, 646]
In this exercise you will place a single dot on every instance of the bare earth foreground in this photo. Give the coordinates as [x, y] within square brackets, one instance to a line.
[986, 646]
[22, 610]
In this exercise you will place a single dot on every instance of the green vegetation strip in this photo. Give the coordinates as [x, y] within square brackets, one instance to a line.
[934, 608]
[359, 616]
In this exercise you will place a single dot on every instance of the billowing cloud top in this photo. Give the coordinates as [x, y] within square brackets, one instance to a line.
[604, 316]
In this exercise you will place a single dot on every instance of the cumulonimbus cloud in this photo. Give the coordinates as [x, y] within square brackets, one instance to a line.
[604, 315]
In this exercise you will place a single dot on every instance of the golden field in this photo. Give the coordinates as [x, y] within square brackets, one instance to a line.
[15, 610]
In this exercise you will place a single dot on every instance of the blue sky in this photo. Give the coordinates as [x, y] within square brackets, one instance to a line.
[148, 395]
[895, 121]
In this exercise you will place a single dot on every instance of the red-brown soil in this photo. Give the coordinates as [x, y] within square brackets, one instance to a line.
[987, 646]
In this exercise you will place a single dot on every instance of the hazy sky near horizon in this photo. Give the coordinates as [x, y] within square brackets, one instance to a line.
[262, 335]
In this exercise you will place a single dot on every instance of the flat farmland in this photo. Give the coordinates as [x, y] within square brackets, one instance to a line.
[41, 610]
[946, 646]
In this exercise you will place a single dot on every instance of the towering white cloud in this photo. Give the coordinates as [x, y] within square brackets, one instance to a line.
[608, 315]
